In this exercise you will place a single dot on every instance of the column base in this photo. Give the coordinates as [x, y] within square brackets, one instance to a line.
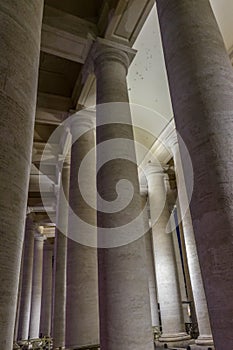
[177, 340]
[204, 340]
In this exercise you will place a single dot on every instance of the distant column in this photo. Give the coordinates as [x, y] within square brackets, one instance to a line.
[34, 327]
[60, 259]
[152, 282]
[173, 329]
[46, 300]
[27, 270]
[205, 335]
[82, 316]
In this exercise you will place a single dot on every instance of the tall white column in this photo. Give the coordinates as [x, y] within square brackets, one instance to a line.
[82, 317]
[200, 77]
[187, 277]
[60, 259]
[46, 299]
[152, 282]
[20, 28]
[150, 260]
[18, 301]
[125, 321]
[34, 327]
[171, 198]
[173, 329]
[205, 336]
[180, 263]
[27, 269]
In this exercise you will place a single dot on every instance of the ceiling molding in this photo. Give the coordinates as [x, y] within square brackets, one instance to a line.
[160, 149]
[66, 36]
[63, 44]
[69, 23]
[128, 20]
[49, 102]
[48, 118]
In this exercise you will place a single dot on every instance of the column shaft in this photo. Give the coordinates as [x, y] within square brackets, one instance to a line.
[82, 318]
[152, 282]
[205, 335]
[20, 28]
[60, 260]
[46, 299]
[165, 264]
[36, 288]
[18, 300]
[201, 84]
[27, 266]
[125, 321]
[181, 275]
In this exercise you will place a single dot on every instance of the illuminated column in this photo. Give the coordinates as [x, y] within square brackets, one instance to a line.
[60, 259]
[34, 327]
[18, 301]
[205, 336]
[152, 282]
[150, 259]
[165, 265]
[27, 266]
[46, 299]
[82, 317]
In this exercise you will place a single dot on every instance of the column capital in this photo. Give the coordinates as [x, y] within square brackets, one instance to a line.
[39, 237]
[103, 51]
[153, 168]
[81, 122]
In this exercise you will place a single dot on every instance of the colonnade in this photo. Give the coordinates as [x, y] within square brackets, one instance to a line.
[103, 293]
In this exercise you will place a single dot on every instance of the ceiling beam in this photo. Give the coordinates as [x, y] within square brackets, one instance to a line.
[66, 36]
[49, 118]
[128, 20]
[53, 103]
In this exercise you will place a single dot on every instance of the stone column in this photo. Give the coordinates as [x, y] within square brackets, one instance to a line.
[20, 28]
[187, 278]
[125, 321]
[27, 268]
[205, 336]
[18, 301]
[152, 282]
[181, 275]
[173, 329]
[201, 84]
[171, 201]
[36, 287]
[46, 300]
[82, 318]
[60, 258]
[150, 259]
